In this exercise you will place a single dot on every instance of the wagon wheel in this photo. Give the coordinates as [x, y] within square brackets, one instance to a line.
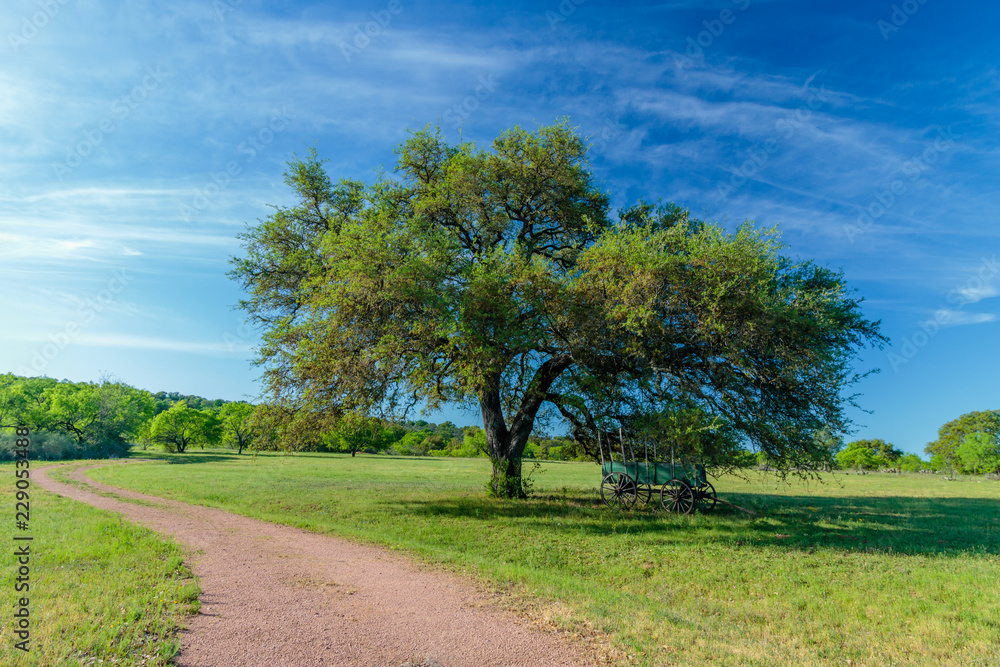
[644, 493]
[677, 496]
[619, 491]
[705, 495]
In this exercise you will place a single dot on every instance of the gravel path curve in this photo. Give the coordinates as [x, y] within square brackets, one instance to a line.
[274, 595]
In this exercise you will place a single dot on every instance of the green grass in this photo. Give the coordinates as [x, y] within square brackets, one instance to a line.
[102, 589]
[875, 570]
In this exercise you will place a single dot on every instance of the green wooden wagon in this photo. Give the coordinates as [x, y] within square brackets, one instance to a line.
[681, 486]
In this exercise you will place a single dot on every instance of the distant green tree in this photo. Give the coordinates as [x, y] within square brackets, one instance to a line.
[72, 407]
[868, 455]
[447, 431]
[101, 418]
[144, 435]
[473, 442]
[393, 432]
[912, 463]
[432, 443]
[858, 458]
[181, 426]
[406, 444]
[939, 463]
[943, 451]
[978, 453]
[268, 424]
[104, 416]
[355, 432]
[238, 429]
[23, 401]
[211, 428]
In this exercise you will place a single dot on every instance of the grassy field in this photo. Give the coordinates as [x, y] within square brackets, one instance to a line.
[860, 570]
[102, 591]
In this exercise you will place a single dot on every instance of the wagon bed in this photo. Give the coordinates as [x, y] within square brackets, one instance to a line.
[657, 474]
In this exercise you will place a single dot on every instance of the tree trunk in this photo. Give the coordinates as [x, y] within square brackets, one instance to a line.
[506, 447]
[505, 480]
[506, 455]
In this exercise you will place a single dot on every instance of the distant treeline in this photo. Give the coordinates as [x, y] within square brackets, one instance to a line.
[422, 438]
[164, 400]
[105, 419]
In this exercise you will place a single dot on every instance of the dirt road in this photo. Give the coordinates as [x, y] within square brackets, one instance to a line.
[274, 595]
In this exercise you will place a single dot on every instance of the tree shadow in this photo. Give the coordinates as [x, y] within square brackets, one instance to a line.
[190, 457]
[424, 459]
[858, 524]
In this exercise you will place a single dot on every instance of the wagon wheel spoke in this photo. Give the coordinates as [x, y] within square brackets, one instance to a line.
[644, 493]
[677, 496]
[618, 491]
[706, 497]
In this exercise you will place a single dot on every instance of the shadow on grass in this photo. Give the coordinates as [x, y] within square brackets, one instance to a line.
[427, 459]
[890, 525]
[189, 456]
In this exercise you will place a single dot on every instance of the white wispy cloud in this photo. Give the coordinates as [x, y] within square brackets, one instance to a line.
[56, 240]
[976, 293]
[166, 344]
[956, 318]
[98, 195]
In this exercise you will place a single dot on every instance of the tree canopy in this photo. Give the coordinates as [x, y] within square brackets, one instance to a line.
[180, 426]
[237, 426]
[100, 417]
[355, 431]
[979, 452]
[497, 278]
[869, 455]
[951, 435]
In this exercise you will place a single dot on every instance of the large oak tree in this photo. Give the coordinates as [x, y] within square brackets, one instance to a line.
[496, 277]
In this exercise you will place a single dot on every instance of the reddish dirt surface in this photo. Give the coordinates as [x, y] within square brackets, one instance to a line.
[274, 595]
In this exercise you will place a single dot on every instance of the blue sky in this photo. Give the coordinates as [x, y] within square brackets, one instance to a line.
[137, 138]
